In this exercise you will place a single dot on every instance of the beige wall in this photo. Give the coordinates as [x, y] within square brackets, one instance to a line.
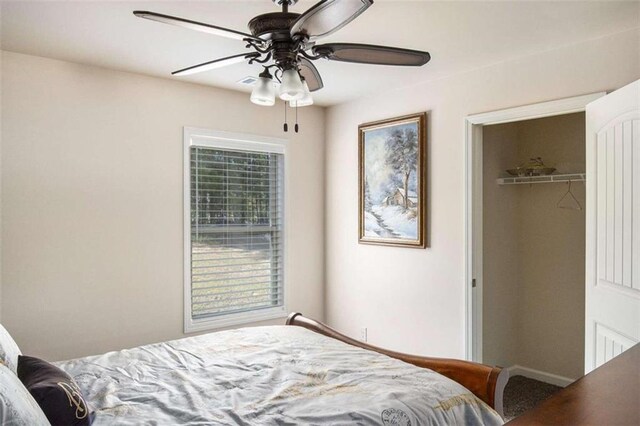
[501, 266]
[552, 251]
[414, 300]
[92, 202]
[534, 252]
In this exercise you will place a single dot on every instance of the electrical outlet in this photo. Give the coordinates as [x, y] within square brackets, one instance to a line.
[363, 334]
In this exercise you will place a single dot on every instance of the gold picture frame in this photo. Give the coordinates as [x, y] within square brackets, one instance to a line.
[392, 201]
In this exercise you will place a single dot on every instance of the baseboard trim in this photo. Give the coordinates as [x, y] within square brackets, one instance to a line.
[543, 376]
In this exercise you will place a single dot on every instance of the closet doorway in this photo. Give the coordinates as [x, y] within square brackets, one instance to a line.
[526, 239]
[534, 247]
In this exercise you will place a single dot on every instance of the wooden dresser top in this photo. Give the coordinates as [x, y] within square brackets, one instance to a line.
[609, 395]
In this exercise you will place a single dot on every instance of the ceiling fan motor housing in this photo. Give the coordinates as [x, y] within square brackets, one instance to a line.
[273, 25]
[276, 28]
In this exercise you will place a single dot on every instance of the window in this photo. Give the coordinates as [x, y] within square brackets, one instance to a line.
[234, 229]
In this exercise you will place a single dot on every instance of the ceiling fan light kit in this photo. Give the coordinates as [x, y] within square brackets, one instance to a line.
[291, 88]
[306, 100]
[286, 41]
[264, 92]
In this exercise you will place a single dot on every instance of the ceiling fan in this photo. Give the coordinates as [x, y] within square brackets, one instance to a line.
[286, 42]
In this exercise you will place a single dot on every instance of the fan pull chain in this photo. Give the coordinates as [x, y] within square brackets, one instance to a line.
[286, 126]
[296, 126]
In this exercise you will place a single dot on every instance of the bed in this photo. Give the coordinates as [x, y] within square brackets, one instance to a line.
[301, 373]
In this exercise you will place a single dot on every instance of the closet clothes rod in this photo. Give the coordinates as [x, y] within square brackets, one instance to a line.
[526, 180]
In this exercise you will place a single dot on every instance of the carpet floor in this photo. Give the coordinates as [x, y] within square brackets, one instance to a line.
[522, 394]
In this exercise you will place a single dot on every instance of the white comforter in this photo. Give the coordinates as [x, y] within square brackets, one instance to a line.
[279, 375]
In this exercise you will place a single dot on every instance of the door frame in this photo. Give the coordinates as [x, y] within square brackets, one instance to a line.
[473, 200]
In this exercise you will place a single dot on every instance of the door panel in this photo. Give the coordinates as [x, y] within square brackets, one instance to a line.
[609, 343]
[613, 225]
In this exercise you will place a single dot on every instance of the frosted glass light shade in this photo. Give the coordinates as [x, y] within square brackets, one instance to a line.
[264, 93]
[291, 88]
[306, 100]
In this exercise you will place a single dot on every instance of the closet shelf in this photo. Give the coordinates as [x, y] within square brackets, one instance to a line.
[521, 180]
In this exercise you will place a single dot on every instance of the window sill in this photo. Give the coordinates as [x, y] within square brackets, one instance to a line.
[192, 326]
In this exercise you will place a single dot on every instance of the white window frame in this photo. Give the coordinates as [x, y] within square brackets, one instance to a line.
[233, 141]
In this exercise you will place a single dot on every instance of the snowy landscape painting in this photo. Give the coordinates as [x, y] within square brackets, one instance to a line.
[392, 181]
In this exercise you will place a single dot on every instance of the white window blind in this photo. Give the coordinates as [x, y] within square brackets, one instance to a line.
[236, 205]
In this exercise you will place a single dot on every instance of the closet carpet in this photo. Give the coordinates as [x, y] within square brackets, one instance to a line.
[522, 394]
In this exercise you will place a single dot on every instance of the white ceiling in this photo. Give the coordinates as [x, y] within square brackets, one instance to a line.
[459, 35]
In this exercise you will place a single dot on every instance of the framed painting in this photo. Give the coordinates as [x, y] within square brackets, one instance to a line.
[392, 181]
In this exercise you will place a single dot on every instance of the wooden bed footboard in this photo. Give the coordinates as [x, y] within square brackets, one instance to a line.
[486, 382]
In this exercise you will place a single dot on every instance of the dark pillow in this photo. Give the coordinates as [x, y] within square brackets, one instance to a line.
[55, 391]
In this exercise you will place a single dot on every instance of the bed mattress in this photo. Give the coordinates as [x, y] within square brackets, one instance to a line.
[280, 375]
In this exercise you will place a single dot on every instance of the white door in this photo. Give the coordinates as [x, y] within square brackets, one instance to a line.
[613, 225]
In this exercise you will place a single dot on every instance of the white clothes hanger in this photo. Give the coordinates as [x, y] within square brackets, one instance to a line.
[569, 201]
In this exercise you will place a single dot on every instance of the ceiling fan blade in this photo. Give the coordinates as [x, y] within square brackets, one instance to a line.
[328, 16]
[217, 63]
[311, 75]
[193, 25]
[371, 54]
